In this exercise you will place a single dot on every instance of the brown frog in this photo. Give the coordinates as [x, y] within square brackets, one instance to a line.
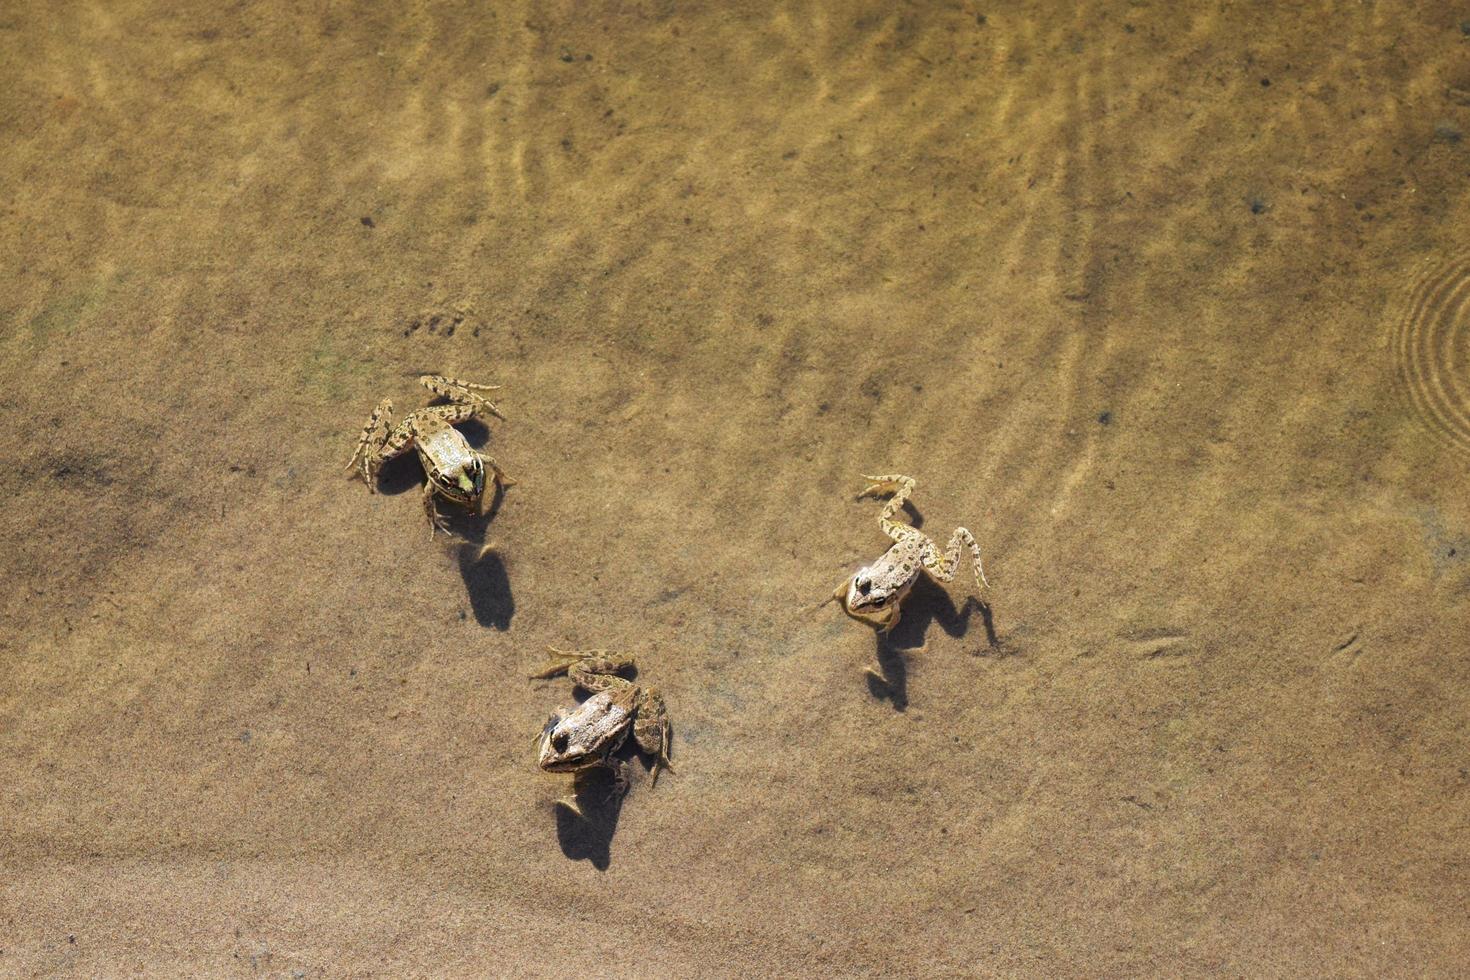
[583, 738]
[455, 470]
[874, 592]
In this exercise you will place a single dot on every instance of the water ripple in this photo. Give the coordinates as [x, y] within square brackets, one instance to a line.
[1432, 347]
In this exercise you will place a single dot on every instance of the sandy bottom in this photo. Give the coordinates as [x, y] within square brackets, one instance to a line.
[1169, 303]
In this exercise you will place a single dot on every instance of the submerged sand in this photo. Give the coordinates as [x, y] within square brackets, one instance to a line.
[1166, 302]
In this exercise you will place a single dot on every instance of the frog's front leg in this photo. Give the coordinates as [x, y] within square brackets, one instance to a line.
[461, 392]
[651, 729]
[499, 475]
[943, 566]
[436, 521]
[380, 441]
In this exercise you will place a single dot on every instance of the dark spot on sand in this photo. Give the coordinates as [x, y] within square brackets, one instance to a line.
[491, 89]
[1105, 418]
[1259, 206]
[1265, 83]
[790, 155]
[367, 222]
[1447, 133]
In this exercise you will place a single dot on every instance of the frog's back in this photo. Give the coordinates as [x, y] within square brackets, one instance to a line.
[442, 447]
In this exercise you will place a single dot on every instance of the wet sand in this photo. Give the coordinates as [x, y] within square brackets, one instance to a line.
[1166, 302]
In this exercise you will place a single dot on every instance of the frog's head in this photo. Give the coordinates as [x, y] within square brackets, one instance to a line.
[869, 596]
[468, 485]
[583, 738]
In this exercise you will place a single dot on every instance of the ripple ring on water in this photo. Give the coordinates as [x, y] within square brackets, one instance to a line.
[1432, 347]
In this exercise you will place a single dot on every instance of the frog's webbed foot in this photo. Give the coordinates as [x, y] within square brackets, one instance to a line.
[461, 392]
[892, 620]
[651, 729]
[839, 596]
[943, 566]
[620, 779]
[436, 520]
[501, 477]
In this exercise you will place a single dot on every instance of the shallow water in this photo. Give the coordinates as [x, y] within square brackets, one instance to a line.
[1168, 303]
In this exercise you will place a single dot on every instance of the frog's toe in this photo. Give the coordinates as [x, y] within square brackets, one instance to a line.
[570, 803]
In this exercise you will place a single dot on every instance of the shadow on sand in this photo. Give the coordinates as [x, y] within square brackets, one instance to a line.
[927, 604]
[588, 837]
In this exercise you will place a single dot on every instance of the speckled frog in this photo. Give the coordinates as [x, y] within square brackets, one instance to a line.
[874, 592]
[583, 738]
[454, 469]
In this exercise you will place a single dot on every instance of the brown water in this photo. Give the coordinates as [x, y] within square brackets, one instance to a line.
[1168, 302]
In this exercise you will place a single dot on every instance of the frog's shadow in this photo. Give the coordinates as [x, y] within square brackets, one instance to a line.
[927, 603]
[589, 836]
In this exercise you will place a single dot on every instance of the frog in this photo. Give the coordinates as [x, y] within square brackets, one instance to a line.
[455, 469]
[874, 592]
[582, 739]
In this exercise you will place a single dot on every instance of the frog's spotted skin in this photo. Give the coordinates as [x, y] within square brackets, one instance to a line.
[585, 737]
[874, 593]
[455, 470]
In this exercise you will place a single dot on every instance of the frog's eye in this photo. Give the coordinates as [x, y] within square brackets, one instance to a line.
[864, 586]
[559, 741]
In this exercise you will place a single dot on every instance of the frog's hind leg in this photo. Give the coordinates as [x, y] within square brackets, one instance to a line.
[380, 441]
[591, 670]
[461, 392]
[902, 487]
[651, 729]
[943, 566]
